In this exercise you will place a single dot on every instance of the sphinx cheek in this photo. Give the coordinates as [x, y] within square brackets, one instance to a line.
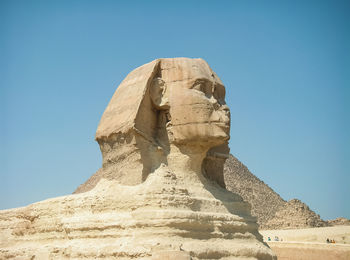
[190, 108]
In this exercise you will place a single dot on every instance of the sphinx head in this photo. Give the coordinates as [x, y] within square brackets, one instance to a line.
[193, 98]
[168, 102]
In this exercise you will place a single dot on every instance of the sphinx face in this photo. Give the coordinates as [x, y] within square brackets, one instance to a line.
[198, 111]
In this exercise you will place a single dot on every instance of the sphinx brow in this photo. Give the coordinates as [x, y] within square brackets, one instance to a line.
[201, 80]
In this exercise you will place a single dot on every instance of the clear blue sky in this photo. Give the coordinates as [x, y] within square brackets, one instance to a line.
[285, 64]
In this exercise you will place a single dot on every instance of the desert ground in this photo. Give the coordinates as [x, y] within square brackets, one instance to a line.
[310, 243]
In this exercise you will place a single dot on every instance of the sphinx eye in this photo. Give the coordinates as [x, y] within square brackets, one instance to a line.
[203, 86]
[198, 86]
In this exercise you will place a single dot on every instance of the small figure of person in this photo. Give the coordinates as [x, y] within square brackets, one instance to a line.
[268, 238]
[327, 240]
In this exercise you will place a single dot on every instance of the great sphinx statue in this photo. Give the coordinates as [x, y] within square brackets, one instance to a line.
[160, 193]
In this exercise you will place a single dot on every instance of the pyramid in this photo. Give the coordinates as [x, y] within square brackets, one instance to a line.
[295, 214]
[271, 210]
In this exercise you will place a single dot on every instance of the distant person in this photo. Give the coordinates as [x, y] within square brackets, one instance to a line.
[327, 240]
[269, 239]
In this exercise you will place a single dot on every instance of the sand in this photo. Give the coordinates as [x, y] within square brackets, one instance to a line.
[310, 243]
[341, 234]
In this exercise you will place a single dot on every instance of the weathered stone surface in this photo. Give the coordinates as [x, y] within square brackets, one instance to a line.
[153, 198]
[127, 222]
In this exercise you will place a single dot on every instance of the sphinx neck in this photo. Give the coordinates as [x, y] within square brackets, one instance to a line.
[186, 162]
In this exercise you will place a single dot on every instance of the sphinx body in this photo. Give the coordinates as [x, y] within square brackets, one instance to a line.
[160, 192]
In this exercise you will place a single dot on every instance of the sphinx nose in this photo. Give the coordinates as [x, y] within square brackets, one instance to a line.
[225, 107]
[214, 102]
[226, 111]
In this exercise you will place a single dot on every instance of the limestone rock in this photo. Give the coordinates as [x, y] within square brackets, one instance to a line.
[163, 136]
[295, 214]
[134, 222]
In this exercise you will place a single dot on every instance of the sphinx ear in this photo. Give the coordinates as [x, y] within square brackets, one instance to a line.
[159, 94]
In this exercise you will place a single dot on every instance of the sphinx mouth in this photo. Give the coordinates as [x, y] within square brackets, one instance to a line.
[214, 155]
[221, 124]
